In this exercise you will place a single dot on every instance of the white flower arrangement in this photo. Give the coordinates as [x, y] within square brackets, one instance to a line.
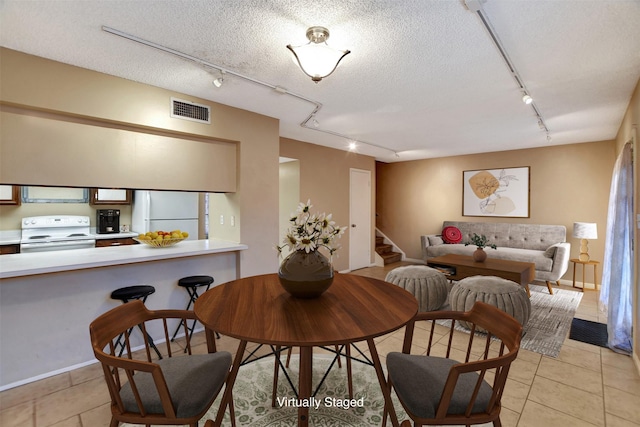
[310, 232]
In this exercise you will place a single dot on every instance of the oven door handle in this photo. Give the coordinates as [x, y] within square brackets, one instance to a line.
[63, 243]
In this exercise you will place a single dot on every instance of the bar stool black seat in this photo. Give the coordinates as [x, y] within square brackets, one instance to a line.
[131, 293]
[191, 284]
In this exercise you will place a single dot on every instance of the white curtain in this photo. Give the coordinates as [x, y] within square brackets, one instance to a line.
[617, 276]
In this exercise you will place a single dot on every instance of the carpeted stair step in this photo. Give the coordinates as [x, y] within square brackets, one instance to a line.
[391, 257]
[386, 251]
[383, 248]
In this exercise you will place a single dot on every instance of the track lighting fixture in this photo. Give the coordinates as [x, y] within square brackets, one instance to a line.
[353, 146]
[316, 59]
[218, 82]
[475, 6]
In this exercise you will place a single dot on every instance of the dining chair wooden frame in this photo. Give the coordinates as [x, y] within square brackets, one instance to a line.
[498, 348]
[137, 376]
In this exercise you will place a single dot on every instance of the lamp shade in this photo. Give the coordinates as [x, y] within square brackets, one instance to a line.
[585, 230]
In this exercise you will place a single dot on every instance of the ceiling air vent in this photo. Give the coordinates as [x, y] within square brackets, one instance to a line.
[186, 110]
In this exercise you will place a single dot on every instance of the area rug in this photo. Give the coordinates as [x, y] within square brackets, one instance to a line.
[549, 321]
[589, 332]
[252, 396]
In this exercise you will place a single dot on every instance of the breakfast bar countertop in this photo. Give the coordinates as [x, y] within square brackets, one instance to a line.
[28, 264]
[10, 237]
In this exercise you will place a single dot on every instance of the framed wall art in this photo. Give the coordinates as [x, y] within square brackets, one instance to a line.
[496, 192]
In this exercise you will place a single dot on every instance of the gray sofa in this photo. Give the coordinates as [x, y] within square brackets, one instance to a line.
[544, 245]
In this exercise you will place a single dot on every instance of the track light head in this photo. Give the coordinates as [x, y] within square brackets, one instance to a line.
[218, 82]
[527, 99]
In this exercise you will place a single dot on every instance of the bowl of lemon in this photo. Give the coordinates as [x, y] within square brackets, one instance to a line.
[161, 239]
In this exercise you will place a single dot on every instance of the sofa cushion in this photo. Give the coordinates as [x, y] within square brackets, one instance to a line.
[435, 240]
[551, 251]
[451, 235]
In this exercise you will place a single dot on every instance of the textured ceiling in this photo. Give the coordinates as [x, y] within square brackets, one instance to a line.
[423, 80]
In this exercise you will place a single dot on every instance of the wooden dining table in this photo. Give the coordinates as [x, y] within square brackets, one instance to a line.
[257, 309]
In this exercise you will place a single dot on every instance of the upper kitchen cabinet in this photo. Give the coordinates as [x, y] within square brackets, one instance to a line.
[104, 196]
[9, 195]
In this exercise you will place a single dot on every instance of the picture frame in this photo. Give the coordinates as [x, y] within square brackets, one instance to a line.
[500, 192]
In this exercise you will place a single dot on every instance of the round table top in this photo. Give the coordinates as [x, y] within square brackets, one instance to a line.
[258, 309]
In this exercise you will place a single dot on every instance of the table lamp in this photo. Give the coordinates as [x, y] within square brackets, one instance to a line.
[585, 231]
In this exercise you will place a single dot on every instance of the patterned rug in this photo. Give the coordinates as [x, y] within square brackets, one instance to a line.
[549, 321]
[252, 396]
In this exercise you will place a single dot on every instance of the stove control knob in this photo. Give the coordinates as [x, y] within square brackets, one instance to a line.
[33, 221]
[26, 222]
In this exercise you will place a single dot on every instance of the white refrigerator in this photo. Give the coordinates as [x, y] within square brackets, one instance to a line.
[166, 211]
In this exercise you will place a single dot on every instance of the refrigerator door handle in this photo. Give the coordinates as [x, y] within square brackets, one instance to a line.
[147, 205]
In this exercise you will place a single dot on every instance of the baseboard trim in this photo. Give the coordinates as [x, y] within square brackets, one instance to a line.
[47, 375]
[76, 366]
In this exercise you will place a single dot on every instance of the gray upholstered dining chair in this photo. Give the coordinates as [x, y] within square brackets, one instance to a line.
[169, 391]
[435, 388]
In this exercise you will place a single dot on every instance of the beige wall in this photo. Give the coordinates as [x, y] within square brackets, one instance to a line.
[629, 131]
[324, 178]
[568, 183]
[289, 197]
[68, 98]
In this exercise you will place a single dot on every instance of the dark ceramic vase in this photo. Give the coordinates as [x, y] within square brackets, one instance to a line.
[479, 255]
[305, 275]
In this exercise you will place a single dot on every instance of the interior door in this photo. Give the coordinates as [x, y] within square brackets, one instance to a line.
[360, 219]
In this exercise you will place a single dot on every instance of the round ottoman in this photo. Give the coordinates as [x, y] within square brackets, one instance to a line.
[427, 284]
[504, 294]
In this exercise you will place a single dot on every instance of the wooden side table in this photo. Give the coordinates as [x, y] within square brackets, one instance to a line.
[575, 262]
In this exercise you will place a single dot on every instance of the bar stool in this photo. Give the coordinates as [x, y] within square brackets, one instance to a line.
[191, 284]
[130, 293]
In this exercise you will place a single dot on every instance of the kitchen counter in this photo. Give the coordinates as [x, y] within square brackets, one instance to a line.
[27, 264]
[52, 297]
[10, 237]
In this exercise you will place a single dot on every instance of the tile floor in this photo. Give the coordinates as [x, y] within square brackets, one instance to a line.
[585, 386]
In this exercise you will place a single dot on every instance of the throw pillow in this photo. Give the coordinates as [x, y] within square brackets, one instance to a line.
[435, 240]
[551, 251]
[451, 235]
